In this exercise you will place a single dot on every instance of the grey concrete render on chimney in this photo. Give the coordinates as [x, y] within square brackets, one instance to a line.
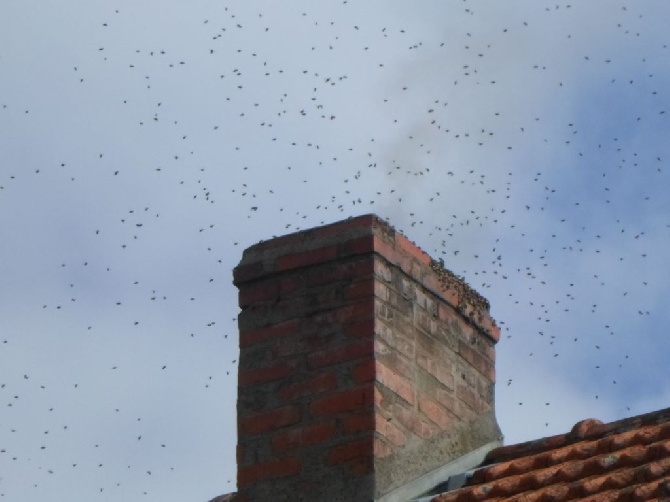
[415, 489]
[465, 445]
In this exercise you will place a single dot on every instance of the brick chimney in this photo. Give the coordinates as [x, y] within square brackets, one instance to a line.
[365, 367]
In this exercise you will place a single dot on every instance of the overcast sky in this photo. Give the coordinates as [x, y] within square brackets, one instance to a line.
[145, 144]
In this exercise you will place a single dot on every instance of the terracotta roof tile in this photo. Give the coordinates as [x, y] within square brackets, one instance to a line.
[624, 461]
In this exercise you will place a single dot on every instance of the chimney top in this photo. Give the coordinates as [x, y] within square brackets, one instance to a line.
[300, 249]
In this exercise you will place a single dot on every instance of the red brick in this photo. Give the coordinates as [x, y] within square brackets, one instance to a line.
[481, 364]
[267, 374]
[305, 258]
[360, 329]
[384, 272]
[290, 346]
[468, 353]
[303, 436]
[354, 449]
[346, 353]
[412, 422]
[293, 307]
[248, 475]
[439, 370]
[360, 245]
[402, 243]
[425, 301]
[489, 327]
[349, 400]
[467, 396]
[387, 250]
[398, 384]
[386, 428]
[425, 321]
[269, 420]
[425, 429]
[358, 311]
[381, 290]
[257, 292]
[359, 289]
[323, 382]
[489, 352]
[396, 256]
[379, 398]
[291, 284]
[365, 371]
[393, 359]
[434, 411]
[358, 423]
[402, 303]
[400, 337]
[353, 313]
[334, 272]
[384, 311]
[252, 337]
[244, 273]
[446, 398]
[448, 313]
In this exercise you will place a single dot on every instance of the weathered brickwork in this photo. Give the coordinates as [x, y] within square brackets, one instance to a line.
[361, 367]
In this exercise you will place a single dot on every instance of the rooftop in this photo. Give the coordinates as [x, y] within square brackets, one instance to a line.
[626, 460]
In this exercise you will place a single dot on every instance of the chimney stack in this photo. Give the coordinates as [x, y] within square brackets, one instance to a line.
[366, 369]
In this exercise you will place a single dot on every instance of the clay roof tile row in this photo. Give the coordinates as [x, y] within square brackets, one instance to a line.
[627, 460]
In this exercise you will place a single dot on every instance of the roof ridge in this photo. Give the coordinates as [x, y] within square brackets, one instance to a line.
[584, 429]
